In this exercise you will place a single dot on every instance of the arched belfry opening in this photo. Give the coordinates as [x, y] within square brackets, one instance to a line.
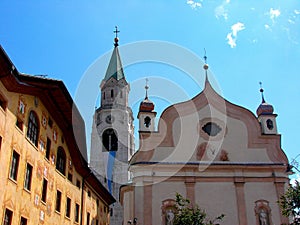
[110, 140]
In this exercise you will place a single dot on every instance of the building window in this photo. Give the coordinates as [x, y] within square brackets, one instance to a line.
[14, 166]
[111, 93]
[88, 219]
[3, 103]
[70, 177]
[89, 193]
[68, 207]
[270, 124]
[58, 201]
[212, 129]
[77, 213]
[19, 124]
[147, 121]
[7, 217]
[104, 95]
[44, 190]
[28, 177]
[0, 142]
[48, 147]
[50, 122]
[33, 128]
[61, 160]
[23, 221]
[78, 184]
[110, 140]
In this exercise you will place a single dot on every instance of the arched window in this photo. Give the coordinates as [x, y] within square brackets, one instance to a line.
[147, 121]
[111, 93]
[33, 128]
[110, 140]
[61, 160]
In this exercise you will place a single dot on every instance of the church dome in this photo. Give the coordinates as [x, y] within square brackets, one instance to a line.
[264, 109]
[146, 105]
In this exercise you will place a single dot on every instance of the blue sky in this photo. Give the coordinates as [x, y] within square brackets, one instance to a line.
[246, 42]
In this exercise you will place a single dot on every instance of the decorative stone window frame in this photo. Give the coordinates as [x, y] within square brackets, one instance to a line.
[216, 121]
[262, 205]
[168, 204]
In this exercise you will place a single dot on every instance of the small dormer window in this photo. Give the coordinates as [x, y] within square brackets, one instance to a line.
[147, 121]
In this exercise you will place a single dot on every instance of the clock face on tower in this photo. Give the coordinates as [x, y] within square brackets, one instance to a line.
[110, 119]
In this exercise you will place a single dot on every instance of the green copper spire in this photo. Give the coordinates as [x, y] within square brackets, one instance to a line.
[115, 68]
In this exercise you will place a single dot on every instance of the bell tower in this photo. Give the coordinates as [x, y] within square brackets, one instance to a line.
[266, 117]
[112, 142]
[146, 115]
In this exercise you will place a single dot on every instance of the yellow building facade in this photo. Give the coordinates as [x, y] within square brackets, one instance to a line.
[44, 174]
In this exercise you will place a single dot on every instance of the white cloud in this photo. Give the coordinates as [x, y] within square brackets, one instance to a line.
[237, 27]
[194, 4]
[297, 12]
[291, 21]
[274, 13]
[267, 27]
[231, 40]
[221, 11]
[232, 36]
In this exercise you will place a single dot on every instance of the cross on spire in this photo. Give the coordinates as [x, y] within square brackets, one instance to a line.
[146, 88]
[116, 31]
[262, 92]
[205, 57]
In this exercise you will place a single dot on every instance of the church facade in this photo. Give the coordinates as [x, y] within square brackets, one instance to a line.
[219, 155]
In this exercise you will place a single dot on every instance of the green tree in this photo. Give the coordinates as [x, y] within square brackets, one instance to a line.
[188, 214]
[290, 203]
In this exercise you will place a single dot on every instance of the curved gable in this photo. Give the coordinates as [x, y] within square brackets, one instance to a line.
[241, 131]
